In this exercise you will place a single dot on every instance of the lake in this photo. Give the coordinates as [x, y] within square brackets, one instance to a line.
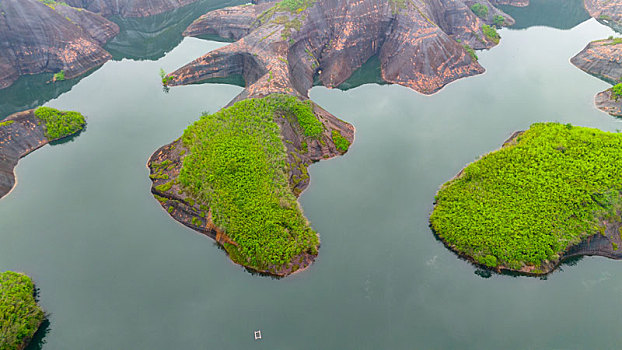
[116, 272]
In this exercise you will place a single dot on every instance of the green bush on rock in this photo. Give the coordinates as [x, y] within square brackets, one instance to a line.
[59, 124]
[526, 203]
[20, 316]
[237, 163]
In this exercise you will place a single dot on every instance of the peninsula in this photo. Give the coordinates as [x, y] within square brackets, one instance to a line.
[603, 59]
[24, 132]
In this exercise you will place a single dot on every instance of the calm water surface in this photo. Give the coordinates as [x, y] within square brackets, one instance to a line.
[115, 272]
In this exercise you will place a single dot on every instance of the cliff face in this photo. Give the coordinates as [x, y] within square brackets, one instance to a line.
[129, 8]
[281, 49]
[603, 59]
[37, 38]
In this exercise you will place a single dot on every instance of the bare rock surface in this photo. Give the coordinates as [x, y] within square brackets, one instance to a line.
[421, 45]
[603, 59]
[37, 38]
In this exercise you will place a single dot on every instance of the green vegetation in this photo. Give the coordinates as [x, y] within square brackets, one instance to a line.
[341, 142]
[60, 76]
[294, 6]
[165, 79]
[397, 5]
[498, 21]
[53, 4]
[59, 124]
[470, 51]
[20, 316]
[236, 163]
[491, 33]
[526, 203]
[8, 122]
[480, 10]
[617, 91]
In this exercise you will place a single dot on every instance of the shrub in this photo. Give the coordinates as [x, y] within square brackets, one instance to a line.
[498, 20]
[20, 316]
[60, 76]
[491, 33]
[341, 142]
[617, 90]
[470, 51]
[480, 10]
[59, 124]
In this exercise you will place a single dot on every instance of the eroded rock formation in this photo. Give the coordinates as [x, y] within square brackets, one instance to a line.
[280, 49]
[603, 59]
[37, 38]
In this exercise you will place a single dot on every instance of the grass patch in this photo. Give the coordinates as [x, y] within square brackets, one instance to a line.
[8, 122]
[59, 124]
[491, 33]
[60, 76]
[531, 200]
[20, 316]
[617, 91]
[237, 164]
[341, 142]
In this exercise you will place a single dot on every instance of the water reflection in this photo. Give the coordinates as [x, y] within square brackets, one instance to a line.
[38, 341]
[31, 91]
[147, 38]
[560, 14]
[152, 37]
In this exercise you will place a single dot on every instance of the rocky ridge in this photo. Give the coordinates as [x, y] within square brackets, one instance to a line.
[39, 38]
[603, 59]
[279, 49]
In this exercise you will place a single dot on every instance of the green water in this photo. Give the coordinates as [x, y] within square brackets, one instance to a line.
[115, 272]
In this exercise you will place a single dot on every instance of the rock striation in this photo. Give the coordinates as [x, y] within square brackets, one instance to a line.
[39, 38]
[603, 59]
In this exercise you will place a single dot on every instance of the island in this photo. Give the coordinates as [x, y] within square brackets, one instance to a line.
[235, 175]
[24, 132]
[20, 316]
[603, 59]
[550, 193]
